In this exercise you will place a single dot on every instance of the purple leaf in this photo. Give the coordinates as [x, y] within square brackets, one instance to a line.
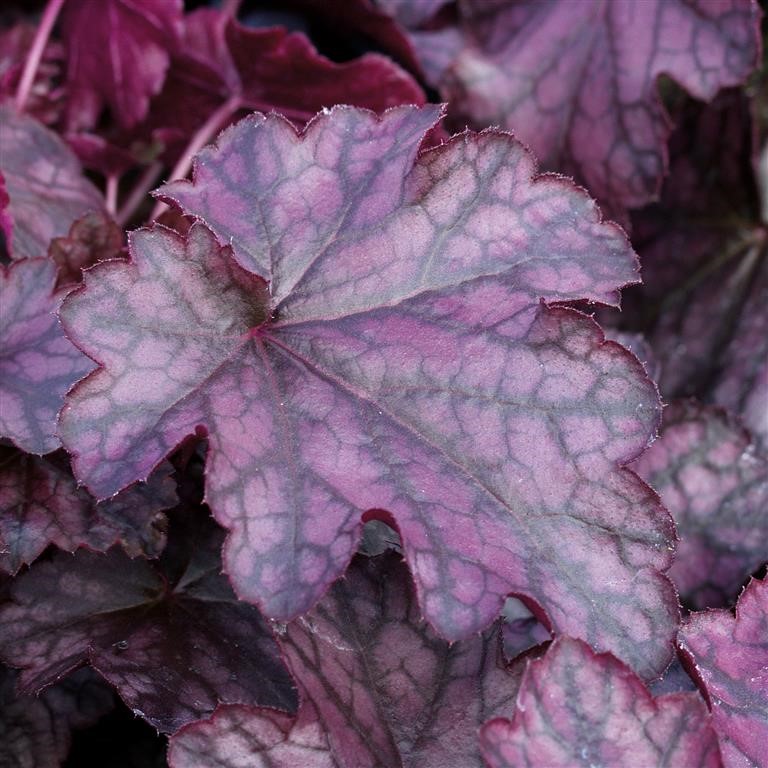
[388, 691]
[578, 708]
[37, 362]
[117, 56]
[401, 360]
[245, 737]
[37, 730]
[40, 504]
[520, 630]
[577, 81]
[44, 182]
[729, 655]
[715, 484]
[172, 639]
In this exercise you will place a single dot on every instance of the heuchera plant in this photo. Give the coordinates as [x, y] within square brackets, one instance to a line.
[324, 440]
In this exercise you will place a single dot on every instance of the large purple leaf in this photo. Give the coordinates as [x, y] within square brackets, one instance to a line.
[37, 362]
[246, 737]
[118, 52]
[387, 690]
[577, 81]
[578, 708]
[44, 182]
[715, 484]
[40, 504]
[729, 655]
[401, 360]
[172, 639]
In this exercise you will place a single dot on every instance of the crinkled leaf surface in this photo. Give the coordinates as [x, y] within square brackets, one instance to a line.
[92, 238]
[388, 690]
[401, 360]
[577, 81]
[40, 504]
[715, 484]
[117, 56]
[36, 730]
[579, 708]
[729, 655]
[247, 737]
[44, 182]
[38, 364]
[171, 638]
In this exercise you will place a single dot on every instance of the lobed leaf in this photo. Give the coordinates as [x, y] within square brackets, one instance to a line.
[715, 483]
[729, 656]
[44, 183]
[400, 360]
[579, 708]
[38, 364]
[172, 639]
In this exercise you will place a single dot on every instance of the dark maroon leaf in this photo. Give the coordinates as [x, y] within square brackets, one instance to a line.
[118, 52]
[172, 639]
[36, 731]
[577, 81]
[729, 655]
[401, 361]
[94, 237]
[246, 737]
[44, 182]
[715, 484]
[386, 688]
[579, 708]
[37, 362]
[40, 504]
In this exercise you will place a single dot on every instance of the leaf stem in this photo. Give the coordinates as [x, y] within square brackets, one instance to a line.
[147, 180]
[202, 137]
[50, 14]
[110, 194]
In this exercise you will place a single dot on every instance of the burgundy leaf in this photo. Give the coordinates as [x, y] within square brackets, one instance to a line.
[715, 484]
[577, 81]
[401, 360]
[36, 730]
[246, 737]
[37, 362]
[44, 182]
[579, 708]
[40, 504]
[386, 688]
[94, 237]
[172, 639]
[729, 655]
[118, 52]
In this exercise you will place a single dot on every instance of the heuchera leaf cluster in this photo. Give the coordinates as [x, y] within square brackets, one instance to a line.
[384, 383]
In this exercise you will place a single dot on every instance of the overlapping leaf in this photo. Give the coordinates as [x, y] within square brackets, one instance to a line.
[715, 484]
[38, 364]
[578, 708]
[118, 52]
[401, 361]
[172, 639]
[577, 81]
[40, 504]
[44, 182]
[729, 655]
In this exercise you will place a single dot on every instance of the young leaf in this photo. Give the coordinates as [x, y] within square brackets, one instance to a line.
[245, 737]
[715, 484]
[577, 81]
[44, 182]
[400, 361]
[729, 656]
[117, 56]
[171, 638]
[40, 504]
[38, 364]
[387, 690]
[579, 708]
